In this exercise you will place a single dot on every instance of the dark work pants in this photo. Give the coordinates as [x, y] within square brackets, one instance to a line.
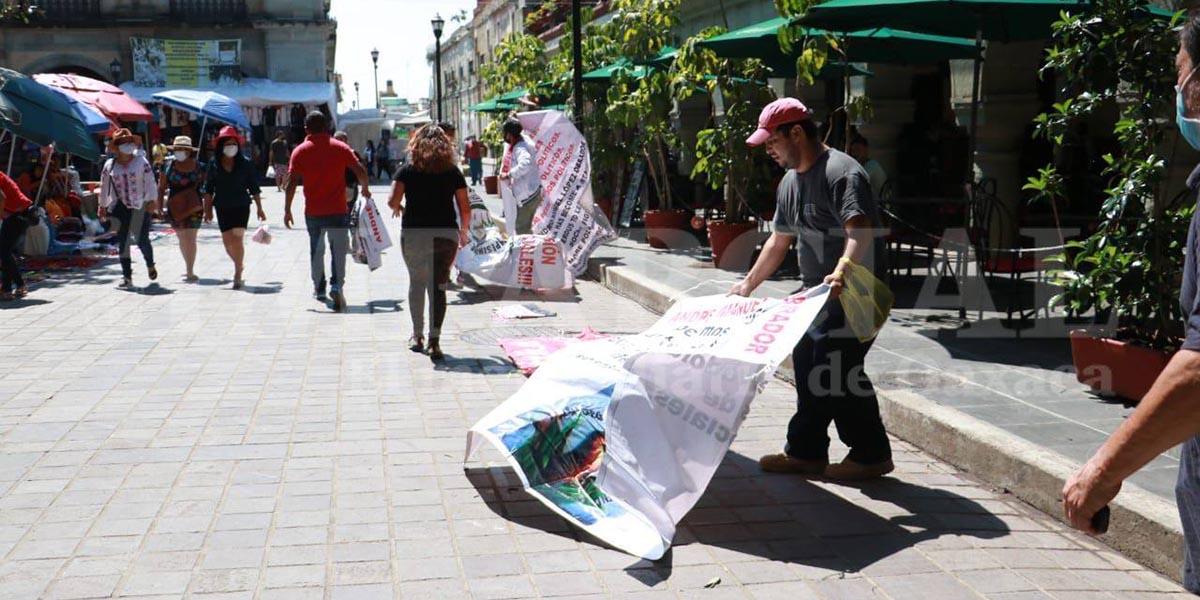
[10, 232]
[428, 255]
[132, 223]
[1187, 497]
[831, 385]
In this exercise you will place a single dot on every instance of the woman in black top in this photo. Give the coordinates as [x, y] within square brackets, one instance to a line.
[426, 191]
[231, 181]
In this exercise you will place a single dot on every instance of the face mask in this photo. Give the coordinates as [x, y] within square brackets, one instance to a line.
[181, 156]
[1188, 128]
[231, 151]
[127, 148]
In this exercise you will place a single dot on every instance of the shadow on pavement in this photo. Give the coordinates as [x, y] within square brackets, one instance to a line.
[779, 517]
[22, 303]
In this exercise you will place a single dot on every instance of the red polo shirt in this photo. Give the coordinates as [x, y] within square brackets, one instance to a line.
[321, 162]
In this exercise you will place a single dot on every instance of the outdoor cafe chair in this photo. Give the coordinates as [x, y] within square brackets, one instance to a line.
[993, 226]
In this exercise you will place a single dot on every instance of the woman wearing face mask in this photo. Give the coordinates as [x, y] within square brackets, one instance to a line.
[231, 182]
[129, 194]
[179, 185]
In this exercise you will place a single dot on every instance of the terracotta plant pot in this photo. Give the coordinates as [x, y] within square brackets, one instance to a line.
[724, 239]
[1113, 367]
[605, 205]
[491, 184]
[663, 226]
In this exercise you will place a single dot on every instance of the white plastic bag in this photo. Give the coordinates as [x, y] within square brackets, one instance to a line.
[263, 234]
[271, 172]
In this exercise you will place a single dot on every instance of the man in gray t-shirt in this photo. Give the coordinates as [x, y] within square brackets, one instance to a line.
[825, 201]
[814, 207]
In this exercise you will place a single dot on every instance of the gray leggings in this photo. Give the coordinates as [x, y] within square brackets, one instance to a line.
[428, 257]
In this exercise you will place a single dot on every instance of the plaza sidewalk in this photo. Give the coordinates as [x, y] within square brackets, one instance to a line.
[191, 441]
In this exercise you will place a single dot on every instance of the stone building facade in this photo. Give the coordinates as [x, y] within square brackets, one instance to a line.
[282, 40]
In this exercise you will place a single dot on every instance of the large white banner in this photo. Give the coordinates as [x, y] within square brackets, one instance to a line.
[568, 212]
[621, 436]
[534, 262]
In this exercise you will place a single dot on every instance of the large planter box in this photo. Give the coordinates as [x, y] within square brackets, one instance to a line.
[1113, 367]
[732, 244]
[662, 226]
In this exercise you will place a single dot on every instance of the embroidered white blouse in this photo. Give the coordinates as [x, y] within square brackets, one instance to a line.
[132, 184]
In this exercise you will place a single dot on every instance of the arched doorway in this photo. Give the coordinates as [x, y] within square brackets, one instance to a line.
[78, 70]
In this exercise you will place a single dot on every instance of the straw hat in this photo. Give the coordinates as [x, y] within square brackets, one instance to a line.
[122, 136]
[182, 142]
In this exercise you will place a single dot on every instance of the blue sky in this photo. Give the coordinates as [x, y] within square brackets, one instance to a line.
[401, 31]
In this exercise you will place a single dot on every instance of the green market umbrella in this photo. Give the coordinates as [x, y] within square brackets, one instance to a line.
[880, 45]
[995, 20]
[493, 106]
[607, 73]
[46, 116]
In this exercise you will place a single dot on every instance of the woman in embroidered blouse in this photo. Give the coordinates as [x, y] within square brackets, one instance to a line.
[184, 175]
[129, 195]
[231, 182]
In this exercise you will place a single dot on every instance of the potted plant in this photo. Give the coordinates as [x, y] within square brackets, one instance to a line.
[1116, 55]
[644, 104]
[722, 161]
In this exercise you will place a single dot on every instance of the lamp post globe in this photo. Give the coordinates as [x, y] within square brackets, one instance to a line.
[375, 61]
[439, 25]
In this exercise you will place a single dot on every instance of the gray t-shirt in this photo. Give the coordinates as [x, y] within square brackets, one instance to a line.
[815, 205]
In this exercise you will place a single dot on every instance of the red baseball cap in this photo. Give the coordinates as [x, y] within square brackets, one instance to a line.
[777, 113]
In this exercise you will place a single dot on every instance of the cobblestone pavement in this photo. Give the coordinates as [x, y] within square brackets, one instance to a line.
[195, 441]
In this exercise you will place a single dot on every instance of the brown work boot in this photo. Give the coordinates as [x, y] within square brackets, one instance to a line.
[784, 463]
[848, 470]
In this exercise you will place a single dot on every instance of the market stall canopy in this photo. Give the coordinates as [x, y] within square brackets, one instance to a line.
[415, 119]
[96, 121]
[104, 97]
[46, 116]
[259, 93]
[208, 104]
[361, 116]
[879, 45]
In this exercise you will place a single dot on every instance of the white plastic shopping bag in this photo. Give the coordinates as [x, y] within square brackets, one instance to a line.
[262, 235]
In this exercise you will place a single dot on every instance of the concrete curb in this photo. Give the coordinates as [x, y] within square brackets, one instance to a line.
[1144, 527]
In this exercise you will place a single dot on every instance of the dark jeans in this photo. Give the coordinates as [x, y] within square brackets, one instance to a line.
[428, 255]
[10, 233]
[1187, 497]
[831, 385]
[132, 223]
[476, 167]
[337, 229]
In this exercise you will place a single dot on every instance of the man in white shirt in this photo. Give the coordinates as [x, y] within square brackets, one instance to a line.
[522, 174]
[860, 149]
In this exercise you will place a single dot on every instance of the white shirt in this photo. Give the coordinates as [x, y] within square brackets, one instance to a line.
[132, 184]
[876, 175]
[523, 169]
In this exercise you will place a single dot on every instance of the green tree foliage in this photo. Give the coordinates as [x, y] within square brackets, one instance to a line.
[519, 62]
[1116, 55]
[722, 160]
[644, 29]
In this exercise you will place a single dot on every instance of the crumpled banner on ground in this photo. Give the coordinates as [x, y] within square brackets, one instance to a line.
[529, 353]
[568, 212]
[534, 262]
[621, 436]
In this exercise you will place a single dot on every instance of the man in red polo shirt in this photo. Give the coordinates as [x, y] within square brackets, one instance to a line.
[321, 162]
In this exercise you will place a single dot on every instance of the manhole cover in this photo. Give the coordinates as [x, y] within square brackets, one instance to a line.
[490, 336]
[911, 380]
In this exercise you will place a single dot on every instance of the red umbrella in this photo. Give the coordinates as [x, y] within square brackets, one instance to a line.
[104, 97]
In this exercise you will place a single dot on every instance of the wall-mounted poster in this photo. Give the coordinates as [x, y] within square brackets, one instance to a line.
[186, 63]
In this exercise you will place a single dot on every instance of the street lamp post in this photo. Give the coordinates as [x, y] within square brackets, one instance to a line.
[357, 100]
[375, 60]
[114, 69]
[438, 24]
[577, 59]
